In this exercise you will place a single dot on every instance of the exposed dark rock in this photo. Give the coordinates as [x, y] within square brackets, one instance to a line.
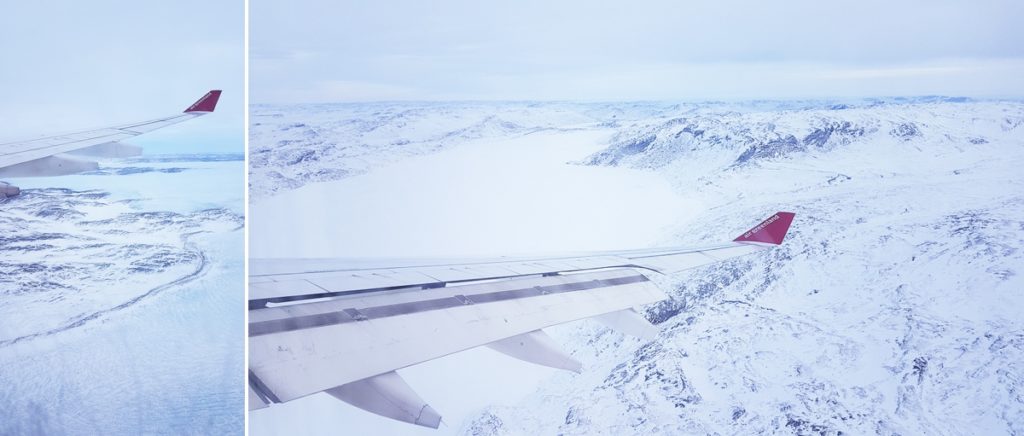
[905, 131]
[773, 149]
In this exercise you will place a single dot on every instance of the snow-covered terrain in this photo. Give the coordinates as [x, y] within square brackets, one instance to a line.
[120, 299]
[291, 146]
[894, 307]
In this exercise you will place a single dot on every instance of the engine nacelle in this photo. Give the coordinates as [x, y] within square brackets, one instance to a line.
[59, 165]
[8, 190]
[109, 149]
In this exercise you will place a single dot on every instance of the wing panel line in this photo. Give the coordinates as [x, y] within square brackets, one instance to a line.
[92, 138]
[261, 389]
[259, 303]
[384, 311]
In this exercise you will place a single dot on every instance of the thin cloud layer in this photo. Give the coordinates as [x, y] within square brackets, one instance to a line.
[71, 65]
[406, 50]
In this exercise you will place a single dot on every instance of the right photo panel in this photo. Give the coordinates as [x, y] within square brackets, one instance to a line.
[634, 218]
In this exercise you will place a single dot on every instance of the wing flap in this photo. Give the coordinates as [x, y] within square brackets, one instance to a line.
[255, 401]
[322, 324]
[735, 251]
[281, 287]
[668, 263]
[328, 346]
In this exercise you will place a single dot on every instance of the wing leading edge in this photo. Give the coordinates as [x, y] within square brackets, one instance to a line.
[48, 156]
[319, 325]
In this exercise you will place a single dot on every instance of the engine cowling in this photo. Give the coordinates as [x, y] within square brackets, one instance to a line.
[59, 165]
[109, 149]
[8, 190]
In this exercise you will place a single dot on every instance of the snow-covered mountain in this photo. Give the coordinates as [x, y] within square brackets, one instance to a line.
[294, 145]
[894, 307]
[77, 256]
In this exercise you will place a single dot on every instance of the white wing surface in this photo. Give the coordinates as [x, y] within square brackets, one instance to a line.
[345, 327]
[47, 156]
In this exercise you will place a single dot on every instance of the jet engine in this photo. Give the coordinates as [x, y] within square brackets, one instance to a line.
[57, 165]
[109, 149]
[8, 190]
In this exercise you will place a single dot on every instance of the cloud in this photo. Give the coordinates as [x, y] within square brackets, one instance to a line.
[70, 65]
[635, 50]
[329, 91]
[896, 72]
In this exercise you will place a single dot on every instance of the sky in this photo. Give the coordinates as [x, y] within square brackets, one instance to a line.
[68, 65]
[326, 51]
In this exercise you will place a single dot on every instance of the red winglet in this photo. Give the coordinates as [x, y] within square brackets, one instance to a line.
[206, 104]
[772, 230]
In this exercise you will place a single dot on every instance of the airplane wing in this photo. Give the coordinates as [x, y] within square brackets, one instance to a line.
[46, 156]
[342, 327]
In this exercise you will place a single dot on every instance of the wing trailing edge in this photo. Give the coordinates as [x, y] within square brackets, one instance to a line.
[47, 156]
[323, 325]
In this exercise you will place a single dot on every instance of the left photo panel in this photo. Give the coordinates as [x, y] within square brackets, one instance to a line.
[122, 217]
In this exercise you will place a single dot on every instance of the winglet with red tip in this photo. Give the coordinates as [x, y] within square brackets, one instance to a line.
[772, 230]
[206, 104]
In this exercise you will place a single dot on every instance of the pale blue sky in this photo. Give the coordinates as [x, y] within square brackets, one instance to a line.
[322, 50]
[70, 64]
